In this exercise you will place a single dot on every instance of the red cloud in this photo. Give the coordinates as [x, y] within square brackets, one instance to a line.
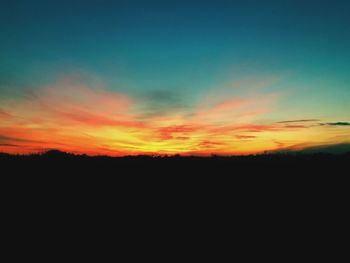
[77, 118]
[245, 137]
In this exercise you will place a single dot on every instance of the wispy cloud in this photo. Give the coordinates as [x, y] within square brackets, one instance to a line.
[336, 124]
[75, 117]
[299, 121]
[160, 102]
[10, 139]
[4, 114]
[299, 126]
[245, 137]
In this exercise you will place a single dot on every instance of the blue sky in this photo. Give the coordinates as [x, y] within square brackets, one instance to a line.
[175, 44]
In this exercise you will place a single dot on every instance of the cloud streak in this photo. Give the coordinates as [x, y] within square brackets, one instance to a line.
[299, 121]
[75, 117]
[336, 124]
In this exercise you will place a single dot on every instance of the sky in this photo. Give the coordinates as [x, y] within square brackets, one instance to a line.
[117, 78]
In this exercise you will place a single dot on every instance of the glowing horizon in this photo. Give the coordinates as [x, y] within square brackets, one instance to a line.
[173, 77]
[73, 117]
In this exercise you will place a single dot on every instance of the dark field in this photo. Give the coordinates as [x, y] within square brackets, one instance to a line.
[273, 184]
[54, 162]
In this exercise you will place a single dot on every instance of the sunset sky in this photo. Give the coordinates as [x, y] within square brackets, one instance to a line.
[106, 77]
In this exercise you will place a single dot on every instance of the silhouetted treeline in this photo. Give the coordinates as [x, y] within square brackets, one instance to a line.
[263, 183]
[55, 161]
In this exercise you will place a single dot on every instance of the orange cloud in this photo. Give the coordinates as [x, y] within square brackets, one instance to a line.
[243, 137]
[74, 117]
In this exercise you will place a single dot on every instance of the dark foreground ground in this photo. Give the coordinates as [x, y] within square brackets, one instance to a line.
[282, 189]
[245, 176]
[55, 162]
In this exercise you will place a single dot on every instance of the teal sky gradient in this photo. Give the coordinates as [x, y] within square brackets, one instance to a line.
[186, 45]
[299, 49]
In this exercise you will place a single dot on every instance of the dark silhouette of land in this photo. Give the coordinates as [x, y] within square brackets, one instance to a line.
[279, 164]
[288, 181]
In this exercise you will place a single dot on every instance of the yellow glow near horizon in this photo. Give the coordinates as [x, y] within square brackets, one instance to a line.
[79, 119]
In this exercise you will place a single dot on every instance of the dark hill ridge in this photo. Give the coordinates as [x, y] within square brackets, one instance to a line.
[341, 148]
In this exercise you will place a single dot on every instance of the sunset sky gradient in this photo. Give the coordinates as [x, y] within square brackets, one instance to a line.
[173, 77]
